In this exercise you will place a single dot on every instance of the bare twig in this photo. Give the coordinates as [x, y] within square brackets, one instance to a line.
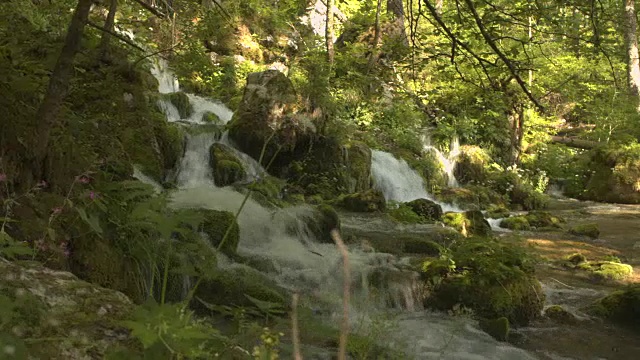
[294, 328]
[151, 9]
[344, 330]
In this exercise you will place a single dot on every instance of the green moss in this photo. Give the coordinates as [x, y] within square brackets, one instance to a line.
[544, 219]
[622, 306]
[46, 304]
[515, 223]
[229, 286]
[576, 258]
[227, 168]
[558, 314]
[470, 222]
[497, 328]
[181, 101]
[427, 209]
[268, 190]
[367, 201]
[211, 118]
[497, 212]
[591, 230]
[472, 196]
[402, 213]
[495, 280]
[422, 246]
[471, 165]
[319, 223]
[606, 270]
[215, 225]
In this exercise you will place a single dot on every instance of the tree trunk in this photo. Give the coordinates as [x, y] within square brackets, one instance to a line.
[631, 40]
[108, 26]
[396, 8]
[58, 86]
[373, 59]
[329, 32]
[516, 118]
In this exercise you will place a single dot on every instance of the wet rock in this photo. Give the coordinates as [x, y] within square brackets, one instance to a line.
[576, 258]
[560, 315]
[211, 118]
[590, 230]
[497, 212]
[215, 226]
[622, 306]
[426, 208]
[515, 223]
[227, 168]
[181, 101]
[544, 219]
[367, 201]
[606, 270]
[497, 328]
[470, 222]
[57, 305]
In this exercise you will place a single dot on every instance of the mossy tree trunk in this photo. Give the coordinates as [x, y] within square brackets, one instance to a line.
[58, 88]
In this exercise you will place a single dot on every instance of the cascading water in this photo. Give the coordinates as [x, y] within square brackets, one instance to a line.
[448, 162]
[398, 181]
[314, 269]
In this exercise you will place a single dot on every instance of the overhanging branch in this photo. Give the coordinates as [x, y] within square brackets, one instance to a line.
[116, 35]
[501, 55]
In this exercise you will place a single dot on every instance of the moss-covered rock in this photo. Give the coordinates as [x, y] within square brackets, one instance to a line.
[497, 212]
[229, 286]
[471, 165]
[422, 246]
[544, 219]
[495, 280]
[560, 315]
[266, 108]
[606, 270]
[611, 174]
[43, 304]
[268, 191]
[367, 201]
[470, 222]
[515, 223]
[472, 197]
[210, 118]
[226, 167]
[576, 258]
[591, 230]
[426, 208]
[181, 101]
[622, 306]
[497, 328]
[215, 226]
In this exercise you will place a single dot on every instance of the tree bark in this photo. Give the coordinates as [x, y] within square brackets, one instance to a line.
[396, 8]
[373, 59]
[631, 42]
[108, 26]
[58, 88]
[329, 32]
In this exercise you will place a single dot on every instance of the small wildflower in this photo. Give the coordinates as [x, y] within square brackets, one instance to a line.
[3, 177]
[83, 179]
[56, 210]
[42, 184]
[92, 195]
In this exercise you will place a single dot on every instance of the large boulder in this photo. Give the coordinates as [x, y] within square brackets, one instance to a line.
[426, 209]
[39, 304]
[266, 109]
[366, 201]
[470, 222]
[216, 224]
[226, 167]
[621, 306]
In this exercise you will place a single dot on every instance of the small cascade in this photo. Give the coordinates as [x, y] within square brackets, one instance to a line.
[398, 181]
[285, 238]
[448, 162]
[167, 82]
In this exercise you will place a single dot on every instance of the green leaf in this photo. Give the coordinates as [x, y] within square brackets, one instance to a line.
[52, 234]
[92, 221]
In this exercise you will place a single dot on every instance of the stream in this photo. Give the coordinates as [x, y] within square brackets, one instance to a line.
[304, 265]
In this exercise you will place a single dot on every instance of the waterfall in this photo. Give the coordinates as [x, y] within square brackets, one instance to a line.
[314, 269]
[398, 181]
[448, 161]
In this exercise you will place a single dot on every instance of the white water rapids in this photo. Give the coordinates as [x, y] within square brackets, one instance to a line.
[267, 233]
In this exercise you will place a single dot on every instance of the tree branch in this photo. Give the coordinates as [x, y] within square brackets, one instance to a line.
[116, 35]
[501, 55]
[151, 9]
